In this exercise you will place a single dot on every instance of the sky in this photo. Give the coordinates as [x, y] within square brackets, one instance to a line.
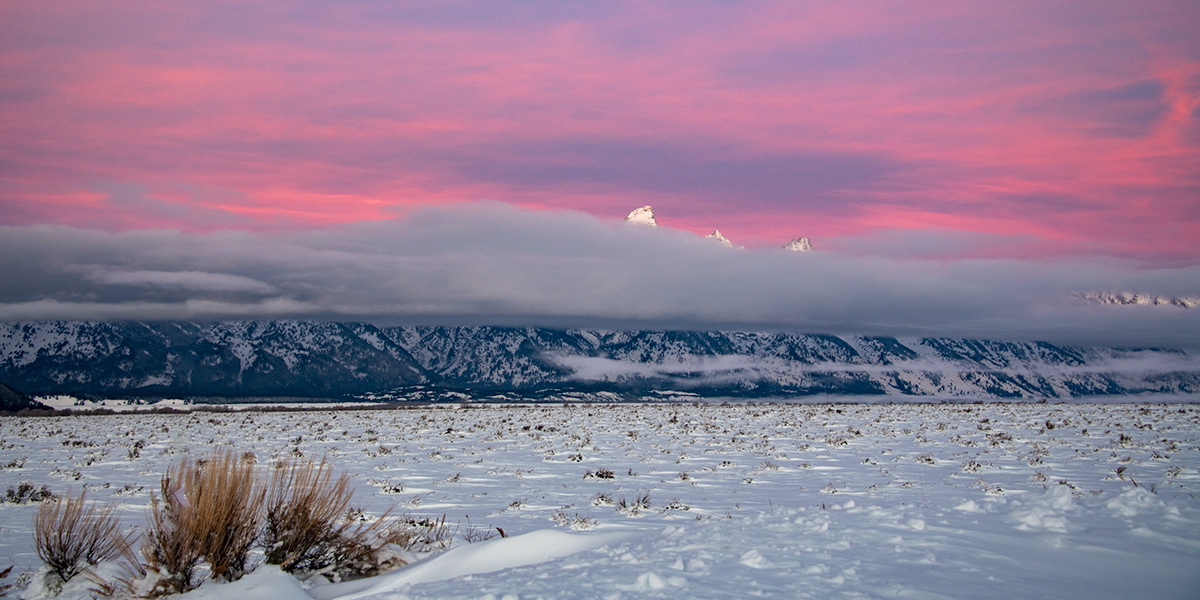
[960, 167]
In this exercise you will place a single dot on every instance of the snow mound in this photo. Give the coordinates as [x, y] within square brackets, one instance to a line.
[800, 244]
[267, 582]
[754, 559]
[1134, 502]
[653, 582]
[642, 216]
[1046, 512]
[484, 557]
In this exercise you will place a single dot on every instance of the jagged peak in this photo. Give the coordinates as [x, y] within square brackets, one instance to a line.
[800, 244]
[642, 216]
[716, 235]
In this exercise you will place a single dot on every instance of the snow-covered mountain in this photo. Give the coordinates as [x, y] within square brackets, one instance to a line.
[320, 359]
[800, 244]
[718, 236]
[277, 358]
[1134, 298]
[642, 216]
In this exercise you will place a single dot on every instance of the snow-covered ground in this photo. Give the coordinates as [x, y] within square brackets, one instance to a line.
[801, 501]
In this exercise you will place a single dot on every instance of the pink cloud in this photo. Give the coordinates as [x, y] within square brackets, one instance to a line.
[1072, 124]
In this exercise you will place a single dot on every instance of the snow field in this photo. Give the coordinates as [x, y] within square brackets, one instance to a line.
[702, 500]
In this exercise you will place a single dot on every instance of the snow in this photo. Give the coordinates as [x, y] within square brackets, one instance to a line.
[800, 244]
[484, 557]
[1134, 298]
[267, 582]
[950, 500]
[716, 235]
[642, 216]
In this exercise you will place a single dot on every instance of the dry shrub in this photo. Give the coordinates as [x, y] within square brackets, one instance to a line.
[307, 528]
[25, 493]
[72, 535]
[303, 524]
[216, 509]
[366, 548]
[168, 547]
[210, 509]
[428, 534]
[227, 498]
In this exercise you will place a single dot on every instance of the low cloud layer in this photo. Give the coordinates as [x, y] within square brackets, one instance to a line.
[703, 370]
[492, 263]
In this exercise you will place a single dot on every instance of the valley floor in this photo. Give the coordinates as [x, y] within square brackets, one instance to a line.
[776, 500]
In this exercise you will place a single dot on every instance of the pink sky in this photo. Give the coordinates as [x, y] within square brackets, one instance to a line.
[1073, 127]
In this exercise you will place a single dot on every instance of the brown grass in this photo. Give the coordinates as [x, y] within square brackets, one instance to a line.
[364, 549]
[227, 499]
[210, 509]
[168, 547]
[214, 510]
[304, 523]
[71, 535]
[307, 529]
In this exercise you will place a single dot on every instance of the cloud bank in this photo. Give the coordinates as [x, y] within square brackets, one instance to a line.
[495, 264]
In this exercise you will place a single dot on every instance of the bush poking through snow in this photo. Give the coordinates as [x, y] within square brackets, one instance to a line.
[308, 528]
[425, 534]
[640, 504]
[72, 535]
[227, 499]
[25, 492]
[600, 473]
[168, 548]
[473, 533]
[304, 519]
[210, 509]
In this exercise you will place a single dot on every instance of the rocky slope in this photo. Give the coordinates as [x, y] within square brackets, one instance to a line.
[12, 400]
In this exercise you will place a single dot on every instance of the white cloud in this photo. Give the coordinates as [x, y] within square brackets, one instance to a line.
[492, 263]
[187, 280]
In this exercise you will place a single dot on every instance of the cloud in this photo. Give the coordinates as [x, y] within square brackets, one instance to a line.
[1075, 124]
[1128, 111]
[690, 371]
[492, 263]
[198, 281]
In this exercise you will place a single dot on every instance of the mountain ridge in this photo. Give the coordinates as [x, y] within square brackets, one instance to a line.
[321, 359]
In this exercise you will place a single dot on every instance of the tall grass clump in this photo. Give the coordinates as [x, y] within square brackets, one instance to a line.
[210, 509]
[307, 529]
[212, 512]
[304, 522]
[168, 548]
[72, 535]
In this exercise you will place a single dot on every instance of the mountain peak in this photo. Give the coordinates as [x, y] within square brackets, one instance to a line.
[642, 216]
[1134, 298]
[716, 235]
[800, 244]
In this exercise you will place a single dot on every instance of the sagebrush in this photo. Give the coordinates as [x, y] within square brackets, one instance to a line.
[210, 509]
[213, 512]
[71, 534]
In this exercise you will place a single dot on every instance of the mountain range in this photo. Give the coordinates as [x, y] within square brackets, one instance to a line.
[314, 359]
[644, 216]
